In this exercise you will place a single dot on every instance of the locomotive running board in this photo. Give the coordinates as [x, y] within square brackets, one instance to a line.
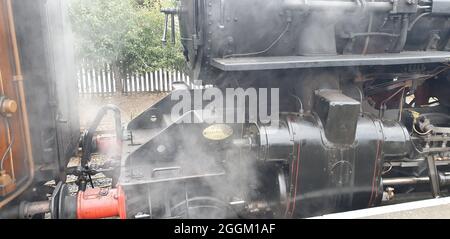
[296, 62]
[425, 209]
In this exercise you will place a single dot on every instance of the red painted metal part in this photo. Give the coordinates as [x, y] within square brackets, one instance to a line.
[108, 144]
[96, 203]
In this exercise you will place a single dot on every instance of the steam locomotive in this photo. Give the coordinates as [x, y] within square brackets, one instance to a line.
[363, 115]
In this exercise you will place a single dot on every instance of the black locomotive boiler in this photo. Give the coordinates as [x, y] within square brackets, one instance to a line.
[364, 111]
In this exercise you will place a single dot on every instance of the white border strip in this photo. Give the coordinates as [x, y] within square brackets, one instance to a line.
[387, 209]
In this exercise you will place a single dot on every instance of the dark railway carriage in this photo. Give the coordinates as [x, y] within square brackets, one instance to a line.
[39, 129]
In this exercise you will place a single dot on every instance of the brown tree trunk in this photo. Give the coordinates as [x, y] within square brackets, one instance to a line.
[118, 76]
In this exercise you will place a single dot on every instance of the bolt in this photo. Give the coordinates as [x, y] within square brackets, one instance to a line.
[8, 106]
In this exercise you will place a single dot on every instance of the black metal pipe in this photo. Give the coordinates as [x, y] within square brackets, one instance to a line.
[401, 41]
[172, 19]
[166, 23]
[336, 5]
[25, 210]
[405, 181]
[29, 210]
[443, 180]
[89, 134]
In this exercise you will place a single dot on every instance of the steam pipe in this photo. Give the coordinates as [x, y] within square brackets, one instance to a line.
[443, 180]
[166, 23]
[405, 181]
[336, 5]
[173, 29]
[89, 134]
[26, 129]
[8, 132]
[400, 44]
[417, 19]
[26, 210]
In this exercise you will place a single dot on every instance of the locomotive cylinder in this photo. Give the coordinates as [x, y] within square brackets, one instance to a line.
[327, 175]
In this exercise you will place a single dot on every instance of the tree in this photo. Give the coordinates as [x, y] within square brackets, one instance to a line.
[124, 33]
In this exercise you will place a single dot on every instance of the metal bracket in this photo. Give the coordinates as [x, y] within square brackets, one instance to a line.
[197, 41]
[404, 6]
[434, 176]
[172, 12]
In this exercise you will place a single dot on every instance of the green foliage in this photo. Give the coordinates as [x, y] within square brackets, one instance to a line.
[125, 33]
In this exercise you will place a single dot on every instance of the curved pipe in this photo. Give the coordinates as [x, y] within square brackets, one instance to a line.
[26, 129]
[8, 133]
[89, 134]
[417, 19]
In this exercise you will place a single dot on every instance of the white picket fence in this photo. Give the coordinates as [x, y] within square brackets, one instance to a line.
[100, 81]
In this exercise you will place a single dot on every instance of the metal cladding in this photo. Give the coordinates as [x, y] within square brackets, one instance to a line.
[332, 175]
[258, 35]
[339, 115]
